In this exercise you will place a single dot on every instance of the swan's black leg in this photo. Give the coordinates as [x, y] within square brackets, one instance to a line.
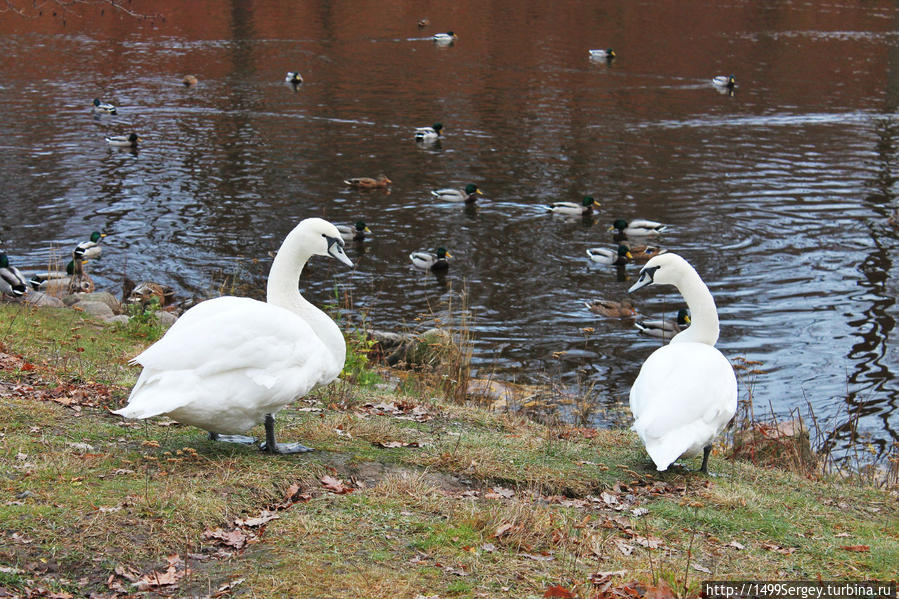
[241, 439]
[273, 447]
[705, 458]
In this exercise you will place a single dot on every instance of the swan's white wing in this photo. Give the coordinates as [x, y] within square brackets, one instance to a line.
[683, 397]
[226, 363]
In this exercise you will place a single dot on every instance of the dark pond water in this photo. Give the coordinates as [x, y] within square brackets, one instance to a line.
[778, 194]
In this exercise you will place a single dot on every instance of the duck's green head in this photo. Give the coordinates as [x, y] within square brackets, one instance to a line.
[619, 224]
[589, 201]
[97, 236]
[4, 260]
[731, 81]
[683, 317]
[610, 53]
[360, 226]
[472, 188]
[442, 254]
[624, 252]
[96, 101]
[437, 127]
[70, 268]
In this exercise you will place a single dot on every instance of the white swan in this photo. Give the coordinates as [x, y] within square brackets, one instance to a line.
[231, 362]
[686, 391]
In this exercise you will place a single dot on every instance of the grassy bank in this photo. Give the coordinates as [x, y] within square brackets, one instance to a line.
[407, 495]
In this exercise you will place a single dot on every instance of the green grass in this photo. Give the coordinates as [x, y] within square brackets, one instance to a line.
[487, 505]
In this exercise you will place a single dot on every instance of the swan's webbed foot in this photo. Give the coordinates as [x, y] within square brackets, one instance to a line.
[705, 459]
[240, 439]
[271, 446]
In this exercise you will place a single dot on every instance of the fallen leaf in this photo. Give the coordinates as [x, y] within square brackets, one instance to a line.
[639, 511]
[537, 557]
[335, 485]
[263, 518]
[558, 591]
[663, 591]
[856, 548]
[231, 538]
[700, 568]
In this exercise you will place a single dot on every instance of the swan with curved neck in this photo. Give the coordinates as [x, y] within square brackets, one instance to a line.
[230, 363]
[686, 391]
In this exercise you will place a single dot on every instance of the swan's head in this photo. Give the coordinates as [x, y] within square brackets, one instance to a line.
[323, 239]
[664, 269]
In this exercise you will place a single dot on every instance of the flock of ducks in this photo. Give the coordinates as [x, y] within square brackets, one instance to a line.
[74, 278]
[230, 363]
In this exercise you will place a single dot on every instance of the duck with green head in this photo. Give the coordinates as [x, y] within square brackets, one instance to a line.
[585, 206]
[12, 283]
[90, 249]
[436, 260]
[609, 256]
[467, 195]
[638, 227]
[353, 233]
[123, 141]
[431, 133]
[664, 328]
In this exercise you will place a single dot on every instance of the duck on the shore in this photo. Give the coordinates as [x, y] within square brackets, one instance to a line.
[431, 133]
[467, 195]
[353, 233]
[368, 182]
[586, 206]
[12, 282]
[103, 107]
[612, 309]
[638, 228]
[123, 141]
[686, 391]
[230, 363]
[146, 292]
[436, 260]
[609, 256]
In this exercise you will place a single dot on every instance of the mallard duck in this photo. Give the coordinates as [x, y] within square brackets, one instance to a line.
[467, 195]
[40, 281]
[686, 391]
[607, 54]
[609, 256]
[642, 253]
[293, 77]
[89, 249]
[368, 182]
[663, 327]
[147, 291]
[571, 208]
[444, 38]
[612, 309]
[12, 283]
[354, 233]
[638, 228]
[189, 80]
[123, 141]
[431, 133]
[103, 107]
[726, 81]
[230, 363]
[437, 260]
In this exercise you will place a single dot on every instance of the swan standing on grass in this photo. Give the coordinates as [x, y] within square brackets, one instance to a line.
[232, 362]
[686, 391]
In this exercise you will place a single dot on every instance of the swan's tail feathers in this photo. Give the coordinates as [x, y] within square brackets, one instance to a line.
[152, 396]
[664, 449]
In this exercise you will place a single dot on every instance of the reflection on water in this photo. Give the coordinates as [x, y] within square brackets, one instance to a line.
[778, 194]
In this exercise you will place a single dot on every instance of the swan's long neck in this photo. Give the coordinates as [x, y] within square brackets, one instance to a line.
[703, 312]
[283, 290]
